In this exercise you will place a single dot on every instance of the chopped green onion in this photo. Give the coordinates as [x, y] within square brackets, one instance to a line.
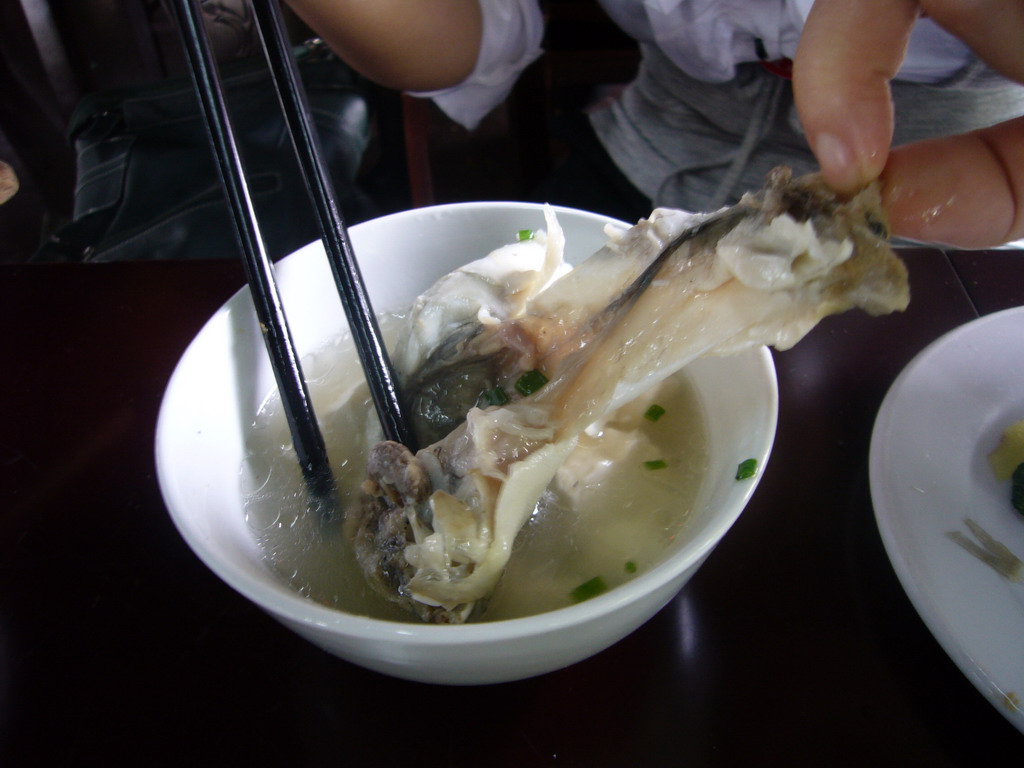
[496, 396]
[525, 234]
[530, 382]
[630, 566]
[747, 469]
[656, 464]
[588, 589]
[654, 413]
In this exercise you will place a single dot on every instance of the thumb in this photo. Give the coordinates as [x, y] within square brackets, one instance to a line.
[848, 53]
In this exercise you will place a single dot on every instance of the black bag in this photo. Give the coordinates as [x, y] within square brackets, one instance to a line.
[147, 185]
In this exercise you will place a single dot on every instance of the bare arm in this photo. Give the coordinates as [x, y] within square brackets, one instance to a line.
[412, 45]
[964, 190]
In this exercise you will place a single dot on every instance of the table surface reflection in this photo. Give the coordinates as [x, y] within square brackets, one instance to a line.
[794, 644]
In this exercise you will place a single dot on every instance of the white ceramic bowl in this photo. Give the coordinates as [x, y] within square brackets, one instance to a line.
[224, 377]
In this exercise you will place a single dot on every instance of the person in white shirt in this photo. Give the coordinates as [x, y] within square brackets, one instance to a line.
[709, 112]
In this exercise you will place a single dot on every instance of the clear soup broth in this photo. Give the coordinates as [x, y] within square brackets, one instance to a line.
[616, 507]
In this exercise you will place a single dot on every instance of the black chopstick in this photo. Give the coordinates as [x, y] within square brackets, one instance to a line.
[363, 322]
[306, 435]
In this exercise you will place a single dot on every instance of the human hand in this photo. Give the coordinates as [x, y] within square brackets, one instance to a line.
[963, 190]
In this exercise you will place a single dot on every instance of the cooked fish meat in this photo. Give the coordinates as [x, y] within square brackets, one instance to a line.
[437, 530]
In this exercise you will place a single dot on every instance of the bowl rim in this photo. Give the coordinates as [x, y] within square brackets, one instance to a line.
[287, 604]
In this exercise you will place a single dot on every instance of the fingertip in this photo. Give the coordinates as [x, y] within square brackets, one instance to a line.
[837, 161]
[845, 164]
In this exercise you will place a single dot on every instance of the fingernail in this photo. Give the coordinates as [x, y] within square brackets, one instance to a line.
[836, 161]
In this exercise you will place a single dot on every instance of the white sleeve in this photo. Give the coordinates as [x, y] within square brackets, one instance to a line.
[512, 34]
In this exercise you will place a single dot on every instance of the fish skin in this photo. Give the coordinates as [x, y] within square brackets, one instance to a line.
[665, 268]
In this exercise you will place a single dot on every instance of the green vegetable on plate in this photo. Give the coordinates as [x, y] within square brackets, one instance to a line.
[1017, 488]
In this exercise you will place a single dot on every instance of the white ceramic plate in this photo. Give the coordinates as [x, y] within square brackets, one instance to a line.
[929, 472]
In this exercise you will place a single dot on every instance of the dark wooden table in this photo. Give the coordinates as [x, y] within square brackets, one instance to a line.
[794, 645]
